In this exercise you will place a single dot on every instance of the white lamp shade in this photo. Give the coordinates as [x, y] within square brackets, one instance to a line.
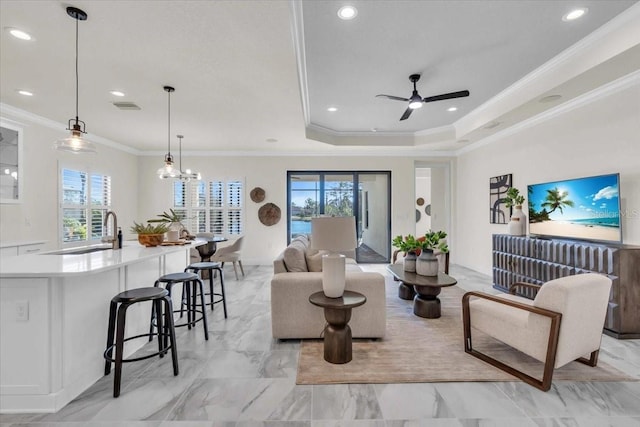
[334, 234]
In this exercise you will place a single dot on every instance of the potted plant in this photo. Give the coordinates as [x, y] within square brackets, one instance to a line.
[150, 235]
[411, 248]
[517, 225]
[427, 263]
[173, 222]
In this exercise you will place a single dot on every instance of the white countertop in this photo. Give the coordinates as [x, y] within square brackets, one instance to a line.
[54, 265]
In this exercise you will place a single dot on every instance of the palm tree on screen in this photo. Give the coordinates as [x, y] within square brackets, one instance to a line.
[557, 199]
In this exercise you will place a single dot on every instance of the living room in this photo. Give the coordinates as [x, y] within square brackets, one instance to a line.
[593, 132]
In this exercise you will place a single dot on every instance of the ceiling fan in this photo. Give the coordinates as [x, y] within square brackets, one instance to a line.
[416, 100]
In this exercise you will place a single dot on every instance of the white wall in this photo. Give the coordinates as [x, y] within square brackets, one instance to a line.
[423, 189]
[597, 138]
[37, 217]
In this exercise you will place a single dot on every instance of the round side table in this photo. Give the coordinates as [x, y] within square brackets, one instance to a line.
[337, 334]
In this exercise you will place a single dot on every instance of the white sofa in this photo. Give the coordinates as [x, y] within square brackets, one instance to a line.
[298, 274]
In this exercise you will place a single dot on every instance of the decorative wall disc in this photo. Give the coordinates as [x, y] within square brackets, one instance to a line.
[420, 201]
[269, 214]
[257, 194]
[417, 215]
[427, 210]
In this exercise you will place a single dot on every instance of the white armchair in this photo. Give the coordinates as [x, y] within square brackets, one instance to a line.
[231, 254]
[563, 323]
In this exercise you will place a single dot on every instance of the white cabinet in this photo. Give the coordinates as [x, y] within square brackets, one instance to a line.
[21, 248]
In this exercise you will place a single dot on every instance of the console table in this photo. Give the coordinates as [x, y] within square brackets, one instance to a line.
[535, 260]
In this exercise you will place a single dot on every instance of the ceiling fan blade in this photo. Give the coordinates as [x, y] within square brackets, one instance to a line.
[444, 96]
[396, 98]
[406, 114]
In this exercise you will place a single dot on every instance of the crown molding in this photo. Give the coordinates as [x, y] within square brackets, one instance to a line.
[597, 94]
[297, 33]
[32, 118]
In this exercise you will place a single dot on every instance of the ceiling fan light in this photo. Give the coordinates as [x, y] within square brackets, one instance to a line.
[415, 105]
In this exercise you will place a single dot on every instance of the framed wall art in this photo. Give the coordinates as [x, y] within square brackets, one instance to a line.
[498, 186]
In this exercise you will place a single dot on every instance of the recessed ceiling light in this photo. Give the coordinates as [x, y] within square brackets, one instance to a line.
[575, 14]
[116, 93]
[550, 98]
[19, 34]
[25, 92]
[347, 12]
[374, 130]
[271, 140]
[332, 109]
[452, 109]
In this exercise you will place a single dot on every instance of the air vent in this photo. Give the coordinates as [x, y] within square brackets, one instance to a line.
[126, 105]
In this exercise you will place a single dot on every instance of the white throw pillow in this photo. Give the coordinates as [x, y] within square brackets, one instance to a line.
[294, 257]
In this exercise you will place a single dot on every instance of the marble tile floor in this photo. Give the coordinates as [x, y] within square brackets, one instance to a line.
[242, 377]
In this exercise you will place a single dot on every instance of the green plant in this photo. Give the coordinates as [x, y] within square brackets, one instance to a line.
[167, 217]
[149, 228]
[406, 244]
[514, 198]
[434, 240]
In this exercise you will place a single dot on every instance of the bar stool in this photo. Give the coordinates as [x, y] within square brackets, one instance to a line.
[158, 297]
[197, 267]
[190, 284]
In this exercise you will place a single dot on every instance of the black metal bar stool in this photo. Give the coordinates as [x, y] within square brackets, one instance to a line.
[158, 297]
[197, 267]
[190, 284]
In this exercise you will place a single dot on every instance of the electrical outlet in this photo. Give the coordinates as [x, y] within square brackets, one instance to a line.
[22, 310]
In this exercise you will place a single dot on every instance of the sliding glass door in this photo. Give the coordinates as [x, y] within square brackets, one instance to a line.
[365, 195]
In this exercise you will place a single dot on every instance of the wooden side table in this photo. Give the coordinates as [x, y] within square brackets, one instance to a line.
[337, 334]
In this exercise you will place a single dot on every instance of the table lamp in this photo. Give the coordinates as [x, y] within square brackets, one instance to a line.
[333, 234]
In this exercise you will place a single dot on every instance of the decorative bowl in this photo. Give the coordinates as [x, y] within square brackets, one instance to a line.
[149, 240]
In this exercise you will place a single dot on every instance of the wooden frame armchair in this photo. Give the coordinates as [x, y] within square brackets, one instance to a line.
[562, 324]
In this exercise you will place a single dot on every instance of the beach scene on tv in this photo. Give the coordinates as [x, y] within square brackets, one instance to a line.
[584, 208]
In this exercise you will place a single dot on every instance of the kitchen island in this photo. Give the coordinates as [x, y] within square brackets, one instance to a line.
[54, 310]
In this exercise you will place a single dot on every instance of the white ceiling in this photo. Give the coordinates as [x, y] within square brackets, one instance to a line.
[249, 71]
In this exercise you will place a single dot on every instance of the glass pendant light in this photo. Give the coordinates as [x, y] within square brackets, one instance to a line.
[168, 171]
[75, 143]
[186, 175]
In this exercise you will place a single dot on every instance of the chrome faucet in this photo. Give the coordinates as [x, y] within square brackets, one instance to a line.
[112, 239]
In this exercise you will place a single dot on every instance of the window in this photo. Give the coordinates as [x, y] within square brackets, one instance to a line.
[86, 198]
[215, 206]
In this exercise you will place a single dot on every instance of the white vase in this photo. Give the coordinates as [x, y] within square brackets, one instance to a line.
[409, 262]
[427, 263]
[333, 275]
[518, 224]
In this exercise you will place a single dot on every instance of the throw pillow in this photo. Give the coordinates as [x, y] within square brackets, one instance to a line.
[294, 257]
[314, 260]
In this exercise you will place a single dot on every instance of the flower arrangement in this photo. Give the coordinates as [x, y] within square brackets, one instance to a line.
[432, 240]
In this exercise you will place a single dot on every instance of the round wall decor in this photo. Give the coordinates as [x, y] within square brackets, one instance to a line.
[257, 194]
[269, 214]
[420, 201]
[417, 215]
[427, 210]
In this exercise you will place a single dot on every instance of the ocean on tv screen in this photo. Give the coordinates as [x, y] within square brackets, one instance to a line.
[582, 208]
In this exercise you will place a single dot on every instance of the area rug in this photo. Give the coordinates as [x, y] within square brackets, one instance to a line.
[430, 350]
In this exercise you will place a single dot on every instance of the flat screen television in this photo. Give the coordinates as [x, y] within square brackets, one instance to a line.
[582, 208]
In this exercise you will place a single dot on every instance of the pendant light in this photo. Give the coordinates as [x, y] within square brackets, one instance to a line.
[187, 175]
[75, 143]
[168, 171]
